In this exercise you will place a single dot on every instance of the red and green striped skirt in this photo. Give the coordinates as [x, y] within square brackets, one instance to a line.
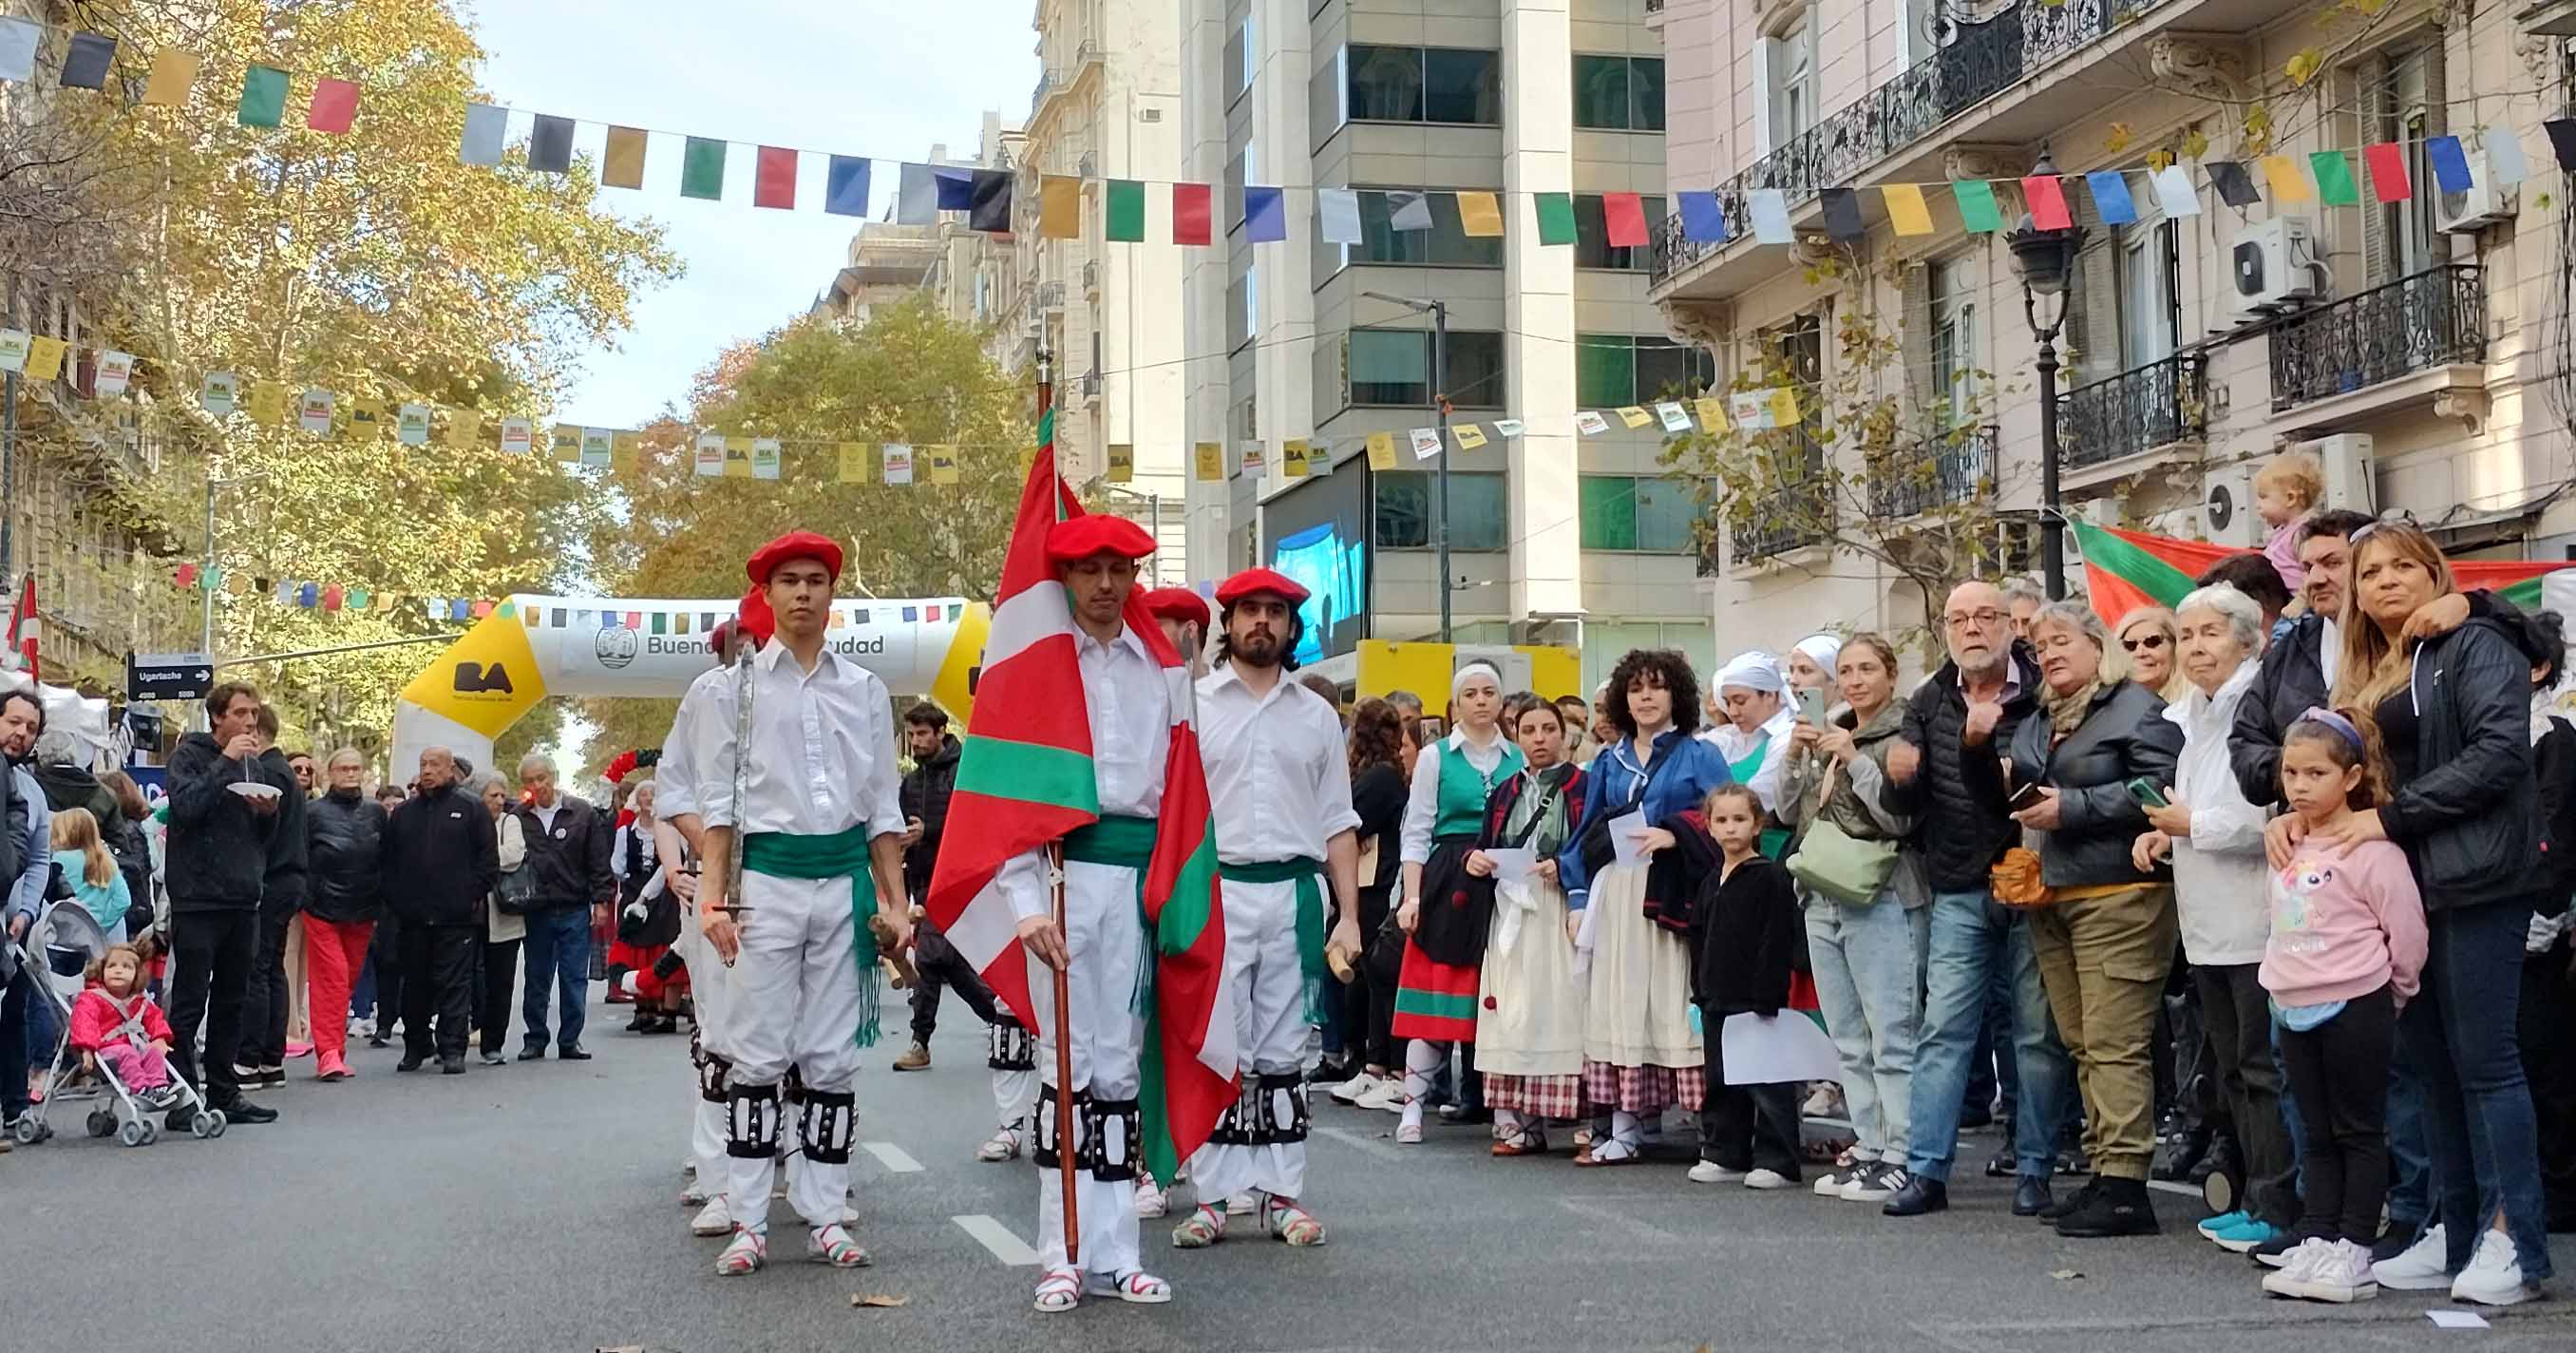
[1434, 1000]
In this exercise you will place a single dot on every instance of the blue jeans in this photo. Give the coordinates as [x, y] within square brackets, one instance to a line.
[2459, 1032]
[558, 952]
[1868, 966]
[1972, 935]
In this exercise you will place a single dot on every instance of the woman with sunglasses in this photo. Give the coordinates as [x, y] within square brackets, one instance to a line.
[2152, 641]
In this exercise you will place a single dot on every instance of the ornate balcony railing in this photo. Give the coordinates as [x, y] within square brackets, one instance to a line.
[1976, 60]
[1796, 515]
[2138, 410]
[1951, 469]
[2430, 319]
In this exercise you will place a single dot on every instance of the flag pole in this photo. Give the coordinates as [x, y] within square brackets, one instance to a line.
[1055, 885]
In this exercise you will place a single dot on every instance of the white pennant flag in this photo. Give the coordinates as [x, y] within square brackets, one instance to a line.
[898, 462]
[2506, 165]
[518, 436]
[1340, 210]
[764, 458]
[115, 372]
[1675, 418]
[2173, 192]
[709, 461]
[1426, 443]
[1409, 211]
[220, 393]
[1771, 217]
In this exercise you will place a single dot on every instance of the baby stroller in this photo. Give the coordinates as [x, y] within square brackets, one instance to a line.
[68, 939]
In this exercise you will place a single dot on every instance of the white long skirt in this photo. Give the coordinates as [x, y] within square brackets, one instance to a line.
[1636, 1010]
[1529, 1001]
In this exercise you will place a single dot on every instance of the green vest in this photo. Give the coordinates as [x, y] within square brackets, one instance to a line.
[1773, 840]
[1464, 790]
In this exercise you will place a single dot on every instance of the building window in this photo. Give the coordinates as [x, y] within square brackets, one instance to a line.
[1954, 338]
[1789, 65]
[1386, 369]
[1445, 244]
[1244, 168]
[2150, 321]
[1242, 311]
[1649, 514]
[1619, 93]
[1417, 84]
[1615, 370]
[1592, 248]
[1405, 502]
[1240, 55]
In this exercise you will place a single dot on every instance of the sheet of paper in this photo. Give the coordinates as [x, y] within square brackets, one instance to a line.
[1625, 830]
[2457, 1320]
[1763, 1050]
[1512, 864]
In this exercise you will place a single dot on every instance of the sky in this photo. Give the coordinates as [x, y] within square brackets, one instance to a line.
[886, 79]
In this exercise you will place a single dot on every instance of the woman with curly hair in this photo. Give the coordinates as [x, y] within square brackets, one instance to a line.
[1639, 1051]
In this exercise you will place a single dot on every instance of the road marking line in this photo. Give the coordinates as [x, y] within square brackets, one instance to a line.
[1617, 1218]
[1005, 1243]
[892, 1157]
[1371, 1145]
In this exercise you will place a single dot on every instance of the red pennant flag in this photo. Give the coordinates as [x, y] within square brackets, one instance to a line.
[481, 609]
[2047, 202]
[773, 179]
[1624, 216]
[25, 629]
[635, 620]
[2387, 164]
[331, 597]
[1190, 213]
[335, 106]
[187, 575]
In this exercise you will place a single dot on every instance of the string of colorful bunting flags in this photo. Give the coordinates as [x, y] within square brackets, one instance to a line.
[330, 598]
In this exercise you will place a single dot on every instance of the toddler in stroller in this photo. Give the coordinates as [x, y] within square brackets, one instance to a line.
[115, 1022]
[113, 1054]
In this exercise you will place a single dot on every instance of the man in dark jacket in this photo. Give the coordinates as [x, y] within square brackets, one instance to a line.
[568, 849]
[344, 894]
[270, 997]
[441, 858]
[1958, 726]
[216, 869]
[26, 870]
[924, 795]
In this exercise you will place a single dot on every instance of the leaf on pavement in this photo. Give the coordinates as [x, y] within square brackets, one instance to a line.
[2066, 1275]
[881, 1300]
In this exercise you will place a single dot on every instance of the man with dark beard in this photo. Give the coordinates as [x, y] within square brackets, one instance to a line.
[1280, 785]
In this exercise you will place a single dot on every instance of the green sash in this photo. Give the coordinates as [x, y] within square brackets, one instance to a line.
[1309, 878]
[1123, 843]
[787, 855]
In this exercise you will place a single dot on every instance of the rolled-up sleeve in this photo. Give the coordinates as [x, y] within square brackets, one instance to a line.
[712, 757]
[1422, 806]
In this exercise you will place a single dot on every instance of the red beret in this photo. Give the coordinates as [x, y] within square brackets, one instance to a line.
[1078, 538]
[753, 617]
[1253, 580]
[1179, 604]
[794, 545]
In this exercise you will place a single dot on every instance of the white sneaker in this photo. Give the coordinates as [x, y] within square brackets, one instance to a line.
[1876, 1182]
[1833, 1181]
[1240, 1204]
[2424, 1267]
[1004, 1144]
[2289, 1277]
[1349, 1091]
[1768, 1179]
[2340, 1272]
[1385, 1092]
[1710, 1172]
[2494, 1274]
[1150, 1202]
[714, 1219]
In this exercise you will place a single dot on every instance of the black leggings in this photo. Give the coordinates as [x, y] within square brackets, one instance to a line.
[2339, 1076]
[1368, 1002]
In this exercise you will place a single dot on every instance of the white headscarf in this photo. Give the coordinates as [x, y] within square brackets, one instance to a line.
[1752, 670]
[1458, 679]
[1824, 648]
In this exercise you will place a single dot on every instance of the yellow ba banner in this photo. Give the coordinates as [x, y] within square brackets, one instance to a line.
[567, 443]
[485, 681]
[854, 458]
[1470, 436]
[625, 448]
[737, 461]
[1292, 457]
[1122, 463]
[1207, 462]
[943, 464]
[1381, 450]
[464, 427]
[267, 402]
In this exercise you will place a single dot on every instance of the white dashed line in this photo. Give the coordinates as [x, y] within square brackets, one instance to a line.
[892, 1157]
[1373, 1146]
[1005, 1243]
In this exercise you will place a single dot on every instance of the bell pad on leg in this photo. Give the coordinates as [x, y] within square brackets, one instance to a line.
[1011, 1048]
[1281, 1101]
[828, 1125]
[1042, 1140]
[751, 1121]
[1114, 1137]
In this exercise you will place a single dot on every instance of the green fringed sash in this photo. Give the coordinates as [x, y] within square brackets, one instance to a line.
[1308, 875]
[787, 855]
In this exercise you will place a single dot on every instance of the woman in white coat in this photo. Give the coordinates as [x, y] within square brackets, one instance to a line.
[502, 931]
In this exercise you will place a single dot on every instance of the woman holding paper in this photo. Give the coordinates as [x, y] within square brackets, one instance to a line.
[1639, 1050]
[1529, 1011]
[1453, 780]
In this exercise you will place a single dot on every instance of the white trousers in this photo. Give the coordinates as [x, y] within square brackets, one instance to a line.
[1106, 936]
[1268, 980]
[792, 999]
[707, 999]
[1013, 1092]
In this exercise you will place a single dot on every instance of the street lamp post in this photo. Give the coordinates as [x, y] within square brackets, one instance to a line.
[2046, 259]
[1439, 313]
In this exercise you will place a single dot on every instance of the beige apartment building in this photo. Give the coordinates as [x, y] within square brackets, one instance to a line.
[1551, 540]
[2419, 348]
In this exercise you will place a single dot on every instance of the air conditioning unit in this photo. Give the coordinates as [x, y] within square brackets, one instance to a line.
[2227, 514]
[2481, 206]
[2276, 266]
[2351, 470]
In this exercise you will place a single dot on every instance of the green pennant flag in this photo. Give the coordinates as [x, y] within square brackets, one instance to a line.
[1124, 201]
[1555, 218]
[661, 622]
[263, 97]
[1976, 199]
[702, 167]
[2334, 179]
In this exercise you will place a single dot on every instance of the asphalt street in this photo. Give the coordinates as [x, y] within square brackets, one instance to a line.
[534, 1207]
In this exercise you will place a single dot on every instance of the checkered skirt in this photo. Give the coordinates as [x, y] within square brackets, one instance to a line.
[1641, 1089]
[1538, 1096]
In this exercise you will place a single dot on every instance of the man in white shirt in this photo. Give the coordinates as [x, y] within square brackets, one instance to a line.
[1279, 782]
[1102, 945]
[821, 836]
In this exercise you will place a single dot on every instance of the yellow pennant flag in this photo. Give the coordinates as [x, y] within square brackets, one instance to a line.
[2289, 182]
[45, 357]
[1635, 417]
[943, 464]
[1122, 463]
[464, 427]
[853, 458]
[737, 458]
[366, 416]
[567, 443]
[1906, 209]
[1712, 412]
[1470, 436]
[1060, 207]
[1381, 450]
[1784, 406]
[267, 402]
[1479, 215]
[625, 449]
[1207, 462]
[173, 72]
[1292, 458]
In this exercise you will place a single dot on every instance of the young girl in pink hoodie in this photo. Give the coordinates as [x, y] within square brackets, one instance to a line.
[2347, 944]
[115, 1022]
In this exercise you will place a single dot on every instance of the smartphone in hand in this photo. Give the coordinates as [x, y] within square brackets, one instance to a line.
[2145, 792]
[1811, 707]
[2024, 797]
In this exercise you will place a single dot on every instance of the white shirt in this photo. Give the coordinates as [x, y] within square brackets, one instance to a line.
[822, 750]
[1278, 771]
[1732, 743]
[2220, 876]
[675, 783]
[1129, 705]
[2330, 653]
[1422, 803]
[546, 814]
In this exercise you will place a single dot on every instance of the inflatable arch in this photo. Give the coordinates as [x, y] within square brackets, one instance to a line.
[532, 646]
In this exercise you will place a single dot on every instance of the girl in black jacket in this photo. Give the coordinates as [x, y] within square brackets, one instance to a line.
[2455, 712]
[1747, 937]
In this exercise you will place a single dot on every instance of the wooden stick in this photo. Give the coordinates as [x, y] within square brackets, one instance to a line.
[1064, 1068]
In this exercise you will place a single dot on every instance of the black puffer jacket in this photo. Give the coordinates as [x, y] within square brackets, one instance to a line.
[344, 846]
[441, 857]
[925, 796]
[1960, 822]
[217, 857]
[2124, 737]
[570, 863]
[2469, 819]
